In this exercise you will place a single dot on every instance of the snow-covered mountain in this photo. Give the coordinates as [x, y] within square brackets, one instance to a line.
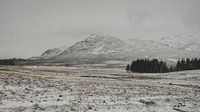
[183, 42]
[98, 48]
[51, 53]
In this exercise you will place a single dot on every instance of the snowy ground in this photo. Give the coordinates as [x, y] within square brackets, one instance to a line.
[66, 89]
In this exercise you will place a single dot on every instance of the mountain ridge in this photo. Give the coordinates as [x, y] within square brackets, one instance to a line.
[98, 48]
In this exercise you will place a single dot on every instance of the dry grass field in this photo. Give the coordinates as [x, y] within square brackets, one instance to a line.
[81, 89]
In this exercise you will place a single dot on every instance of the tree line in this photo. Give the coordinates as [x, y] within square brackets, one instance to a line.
[159, 66]
[188, 64]
[12, 61]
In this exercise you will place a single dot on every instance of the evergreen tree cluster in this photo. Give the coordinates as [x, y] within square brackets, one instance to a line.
[188, 64]
[12, 61]
[7, 62]
[148, 66]
[156, 66]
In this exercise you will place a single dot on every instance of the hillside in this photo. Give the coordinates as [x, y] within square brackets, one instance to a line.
[98, 48]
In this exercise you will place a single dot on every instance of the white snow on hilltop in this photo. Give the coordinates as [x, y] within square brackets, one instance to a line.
[182, 41]
[98, 48]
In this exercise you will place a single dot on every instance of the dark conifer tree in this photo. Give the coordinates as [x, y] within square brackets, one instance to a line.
[171, 68]
[128, 67]
[178, 66]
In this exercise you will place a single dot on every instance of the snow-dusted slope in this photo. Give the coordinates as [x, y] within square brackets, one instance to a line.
[99, 48]
[51, 53]
[182, 42]
[94, 49]
[96, 44]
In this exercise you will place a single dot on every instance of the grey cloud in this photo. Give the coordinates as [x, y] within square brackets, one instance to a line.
[28, 27]
[137, 17]
[192, 20]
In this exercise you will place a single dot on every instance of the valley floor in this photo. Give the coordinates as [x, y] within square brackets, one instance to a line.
[66, 89]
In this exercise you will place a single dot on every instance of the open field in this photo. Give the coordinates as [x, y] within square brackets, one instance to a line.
[66, 89]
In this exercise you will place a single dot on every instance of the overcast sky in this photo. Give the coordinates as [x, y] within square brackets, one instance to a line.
[29, 27]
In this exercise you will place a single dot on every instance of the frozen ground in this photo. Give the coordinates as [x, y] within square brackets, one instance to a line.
[66, 89]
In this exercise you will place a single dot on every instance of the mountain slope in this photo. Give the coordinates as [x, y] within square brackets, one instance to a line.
[94, 49]
[99, 48]
[182, 42]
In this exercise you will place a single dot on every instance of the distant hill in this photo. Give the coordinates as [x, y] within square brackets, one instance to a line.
[98, 48]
